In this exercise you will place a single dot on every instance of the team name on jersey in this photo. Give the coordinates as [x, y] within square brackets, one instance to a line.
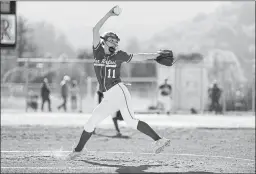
[105, 62]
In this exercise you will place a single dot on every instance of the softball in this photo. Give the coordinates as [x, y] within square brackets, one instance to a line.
[117, 10]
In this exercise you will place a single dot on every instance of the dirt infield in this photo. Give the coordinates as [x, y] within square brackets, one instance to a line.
[36, 149]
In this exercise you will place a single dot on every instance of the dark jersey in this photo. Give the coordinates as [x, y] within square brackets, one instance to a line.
[166, 89]
[45, 91]
[215, 93]
[107, 67]
[64, 89]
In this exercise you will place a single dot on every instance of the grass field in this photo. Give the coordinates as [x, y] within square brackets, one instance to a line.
[36, 145]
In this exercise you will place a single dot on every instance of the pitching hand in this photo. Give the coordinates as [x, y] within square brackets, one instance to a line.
[111, 11]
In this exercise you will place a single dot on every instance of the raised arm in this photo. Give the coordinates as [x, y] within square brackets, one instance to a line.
[97, 27]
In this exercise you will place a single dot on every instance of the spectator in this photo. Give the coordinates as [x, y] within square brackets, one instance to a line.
[74, 92]
[32, 101]
[215, 94]
[64, 92]
[165, 96]
[45, 95]
[239, 100]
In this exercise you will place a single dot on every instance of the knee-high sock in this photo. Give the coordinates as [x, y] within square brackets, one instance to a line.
[83, 139]
[116, 124]
[146, 129]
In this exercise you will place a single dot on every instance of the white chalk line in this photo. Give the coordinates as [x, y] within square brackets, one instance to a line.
[49, 168]
[168, 154]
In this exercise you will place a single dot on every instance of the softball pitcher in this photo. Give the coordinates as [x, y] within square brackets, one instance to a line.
[107, 65]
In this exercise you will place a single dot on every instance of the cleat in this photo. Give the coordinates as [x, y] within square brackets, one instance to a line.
[118, 134]
[159, 145]
[72, 155]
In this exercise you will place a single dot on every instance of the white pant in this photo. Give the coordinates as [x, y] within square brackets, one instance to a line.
[116, 98]
[166, 101]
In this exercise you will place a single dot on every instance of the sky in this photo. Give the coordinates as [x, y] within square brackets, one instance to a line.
[140, 19]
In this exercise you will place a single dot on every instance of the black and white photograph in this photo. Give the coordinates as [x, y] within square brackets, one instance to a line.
[128, 87]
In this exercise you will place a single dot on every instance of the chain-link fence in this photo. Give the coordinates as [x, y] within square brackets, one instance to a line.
[17, 82]
[190, 83]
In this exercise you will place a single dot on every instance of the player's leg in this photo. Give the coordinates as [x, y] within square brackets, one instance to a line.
[72, 103]
[163, 99]
[219, 107]
[115, 118]
[34, 105]
[99, 99]
[215, 106]
[75, 102]
[103, 110]
[49, 105]
[161, 105]
[167, 104]
[42, 105]
[120, 118]
[61, 105]
[65, 104]
[128, 116]
[171, 106]
[143, 127]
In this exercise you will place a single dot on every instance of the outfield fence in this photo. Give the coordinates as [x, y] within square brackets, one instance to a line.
[189, 81]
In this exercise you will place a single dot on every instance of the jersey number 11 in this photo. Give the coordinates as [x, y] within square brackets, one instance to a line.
[113, 74]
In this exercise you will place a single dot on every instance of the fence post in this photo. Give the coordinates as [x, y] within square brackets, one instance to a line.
[202, 88]
[174, 97]
[253, 94]
[80, 92]
[26, 81]
[89, 87]
[155, 102]
[223, 76]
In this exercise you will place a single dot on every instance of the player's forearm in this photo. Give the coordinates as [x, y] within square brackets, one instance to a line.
[144, 56]
[101, 22]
